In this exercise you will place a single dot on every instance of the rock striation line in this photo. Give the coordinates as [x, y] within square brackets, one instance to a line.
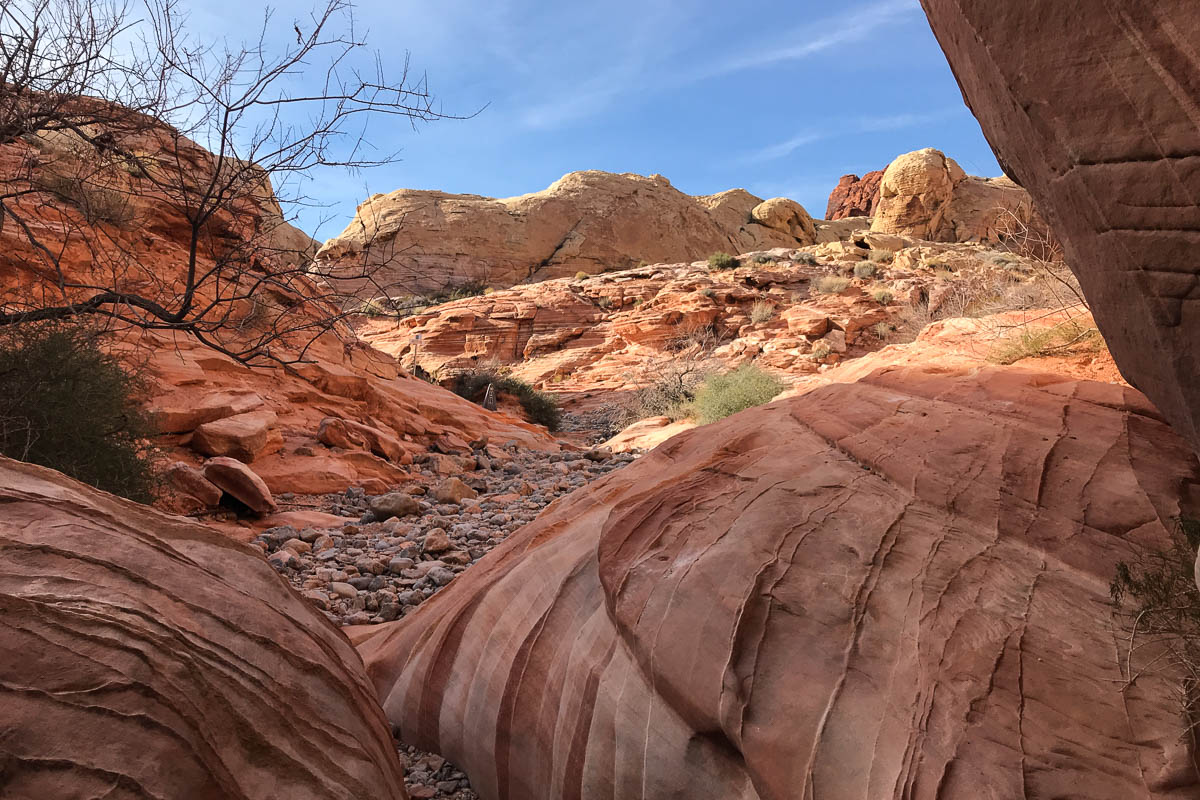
[146, 656]
[891, 588]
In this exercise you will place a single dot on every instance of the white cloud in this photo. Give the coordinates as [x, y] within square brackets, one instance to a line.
[848, 128]
[655, 45]
[817, 37]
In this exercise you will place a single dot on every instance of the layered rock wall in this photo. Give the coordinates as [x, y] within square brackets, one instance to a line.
[1095, 111]
[418, 241]
[854, 196]
[144, 656]
[891, 588]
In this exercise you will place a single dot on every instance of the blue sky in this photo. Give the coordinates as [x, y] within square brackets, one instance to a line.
[781, 99]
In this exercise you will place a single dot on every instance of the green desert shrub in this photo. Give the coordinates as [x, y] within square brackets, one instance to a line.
[722, 261]
[67, 405]
[832, 284]
[882, 256]
[540, 407]
[734, 391]
[809, 259]
[865, 269]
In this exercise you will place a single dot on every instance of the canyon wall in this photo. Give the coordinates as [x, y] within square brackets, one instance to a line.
[1096, 111]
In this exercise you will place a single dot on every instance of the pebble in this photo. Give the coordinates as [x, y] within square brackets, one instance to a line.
[382, 567]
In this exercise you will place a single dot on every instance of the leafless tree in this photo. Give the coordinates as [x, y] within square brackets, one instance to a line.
[110, 112]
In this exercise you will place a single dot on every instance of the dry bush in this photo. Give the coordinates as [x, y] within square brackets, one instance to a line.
[97, 202]
[831, 284]
[865, 269]
[1030, 341]
[761, 312]
[1157, 594]
[668, 384]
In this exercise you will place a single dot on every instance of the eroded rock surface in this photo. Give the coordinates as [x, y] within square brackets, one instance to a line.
[142, 655]
[927, 195]
[854, 196]
[1096, 115]
[891, 588]
[585, 222]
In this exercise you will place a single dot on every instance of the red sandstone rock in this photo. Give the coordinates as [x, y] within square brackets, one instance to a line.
[190, 386]
[191, 482]
[243, 436]
[336, 433]
[240, 482]
[854, 196]
[1094, 112]
[145, 656]
[891, 588]
[185, 409]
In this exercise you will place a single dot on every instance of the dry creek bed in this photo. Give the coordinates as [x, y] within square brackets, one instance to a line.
[378, 567]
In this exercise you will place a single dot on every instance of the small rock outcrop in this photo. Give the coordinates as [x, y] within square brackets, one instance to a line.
[854, 196]
[1096, 115]
[142, 655]
[927, 195]
[585, 222]
[889, 588]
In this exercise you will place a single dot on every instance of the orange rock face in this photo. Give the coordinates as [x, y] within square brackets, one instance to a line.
[587, 221]
[891, 588]
[1095, 114]
[591, 341]
[854, 196]
[209, 405]
[289, 438]
[145, 656]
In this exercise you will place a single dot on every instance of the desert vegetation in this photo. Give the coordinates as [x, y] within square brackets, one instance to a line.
[68, 405]
[736, 390]
[1157, 595]
[106, 102]
[539, 406]
[1033, 341]
[831, 284]
[722, 261]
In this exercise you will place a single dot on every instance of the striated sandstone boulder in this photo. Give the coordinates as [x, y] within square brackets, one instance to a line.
[585, 222]
[242, 436]
[145, 656]
[892, 588]
[239, 482]
[190, 482]
[854, 196]
[926, 195]
[782, 214]
[1096, 115]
